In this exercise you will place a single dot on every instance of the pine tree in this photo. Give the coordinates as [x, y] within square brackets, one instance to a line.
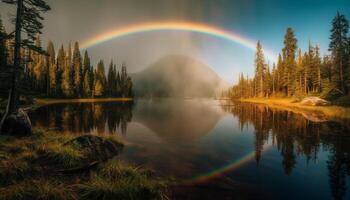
[3, 56]
[280, 74]
[51, 68]
[87, 71]
[118, 85]
[4, 73]
[78, 73]
[129, 85]
[299, 73]
[39, 68]
[86, 63]
[289, 52]
[268, 81]
[67, 76]
[100, 79]
[274, 79]
[111, 79]
[28, 20]
[260, 69]
[338, 46]
[86, 85]
[317, 63]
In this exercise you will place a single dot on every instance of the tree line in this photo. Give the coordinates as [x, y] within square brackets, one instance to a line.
[65, 75]
[298, 73]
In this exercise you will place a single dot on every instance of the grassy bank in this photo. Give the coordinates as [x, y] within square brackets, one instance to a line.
[31, 168]
[293, 105]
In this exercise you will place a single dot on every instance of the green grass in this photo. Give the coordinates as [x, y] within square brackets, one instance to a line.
[29, 170]
[117, 180]
[38, 189]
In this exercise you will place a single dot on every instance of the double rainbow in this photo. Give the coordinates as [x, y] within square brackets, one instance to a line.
[175, 26]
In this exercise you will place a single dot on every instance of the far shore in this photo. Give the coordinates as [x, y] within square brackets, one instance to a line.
[293, 105]
[40, 101]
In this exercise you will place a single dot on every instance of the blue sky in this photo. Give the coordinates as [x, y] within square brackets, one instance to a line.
[264, 20]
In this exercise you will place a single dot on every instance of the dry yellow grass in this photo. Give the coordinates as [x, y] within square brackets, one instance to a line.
[86, 100]
[291, 104]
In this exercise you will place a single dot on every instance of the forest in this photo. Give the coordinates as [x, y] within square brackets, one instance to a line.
[66, 74]
[297, 73]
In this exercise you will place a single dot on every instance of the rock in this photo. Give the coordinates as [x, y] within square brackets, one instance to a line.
[314, 117]
[96, 148]
[314, 101]
[17, 124]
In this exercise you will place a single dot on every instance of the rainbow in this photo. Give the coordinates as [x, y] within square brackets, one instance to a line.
[175, 26]
[229, 168]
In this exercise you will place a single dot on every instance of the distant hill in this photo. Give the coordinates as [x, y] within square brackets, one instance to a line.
[178, 76]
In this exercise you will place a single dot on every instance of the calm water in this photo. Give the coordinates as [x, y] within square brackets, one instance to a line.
[219, 148]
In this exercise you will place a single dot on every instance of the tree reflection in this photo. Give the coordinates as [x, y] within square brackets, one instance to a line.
[295, 135]
[102, 118]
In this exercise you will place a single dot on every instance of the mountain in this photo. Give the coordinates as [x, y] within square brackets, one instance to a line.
[178, 76]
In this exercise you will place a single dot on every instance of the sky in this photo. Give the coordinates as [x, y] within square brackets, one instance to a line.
[264, 20]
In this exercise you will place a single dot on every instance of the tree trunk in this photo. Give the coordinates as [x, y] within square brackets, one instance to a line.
[12, 105]
[341, 75]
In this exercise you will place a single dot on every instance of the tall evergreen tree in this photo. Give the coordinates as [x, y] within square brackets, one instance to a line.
[51, 68]
[123, 80]
[289, 54]
[86, 63]
[111, 79]
[78, 73]
[28, 20]
[100, 79]
[260, 69]
[338, 46]
[86, 85]
[87, 73]
[3, 56]
[68, 72]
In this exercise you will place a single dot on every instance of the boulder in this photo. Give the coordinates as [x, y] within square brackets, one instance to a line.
[314, 101]
[96, 148]
[17, 124]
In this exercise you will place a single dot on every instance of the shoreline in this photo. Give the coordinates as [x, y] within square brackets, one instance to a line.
[49, 165]
[40, 101]
[290, 104]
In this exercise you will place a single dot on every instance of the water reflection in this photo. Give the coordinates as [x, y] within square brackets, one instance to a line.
[78, 118]
[295, 136]
[191, 138]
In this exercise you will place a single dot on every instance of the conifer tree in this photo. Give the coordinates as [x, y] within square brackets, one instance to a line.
[28, 20]
[86, 85]
[86, 63]
[260, 69]
[118, 85]
[39, 69]
[51, 68]
[100, 79]
[338, 46]
[87, 73]
[280, 74]
[4, 74]
[111, 79]
[3, 56]
[78, 73]
[299, 73]
[67, 76]
[289, 54]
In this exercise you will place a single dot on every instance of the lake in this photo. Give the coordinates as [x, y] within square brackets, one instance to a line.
[219, 149]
